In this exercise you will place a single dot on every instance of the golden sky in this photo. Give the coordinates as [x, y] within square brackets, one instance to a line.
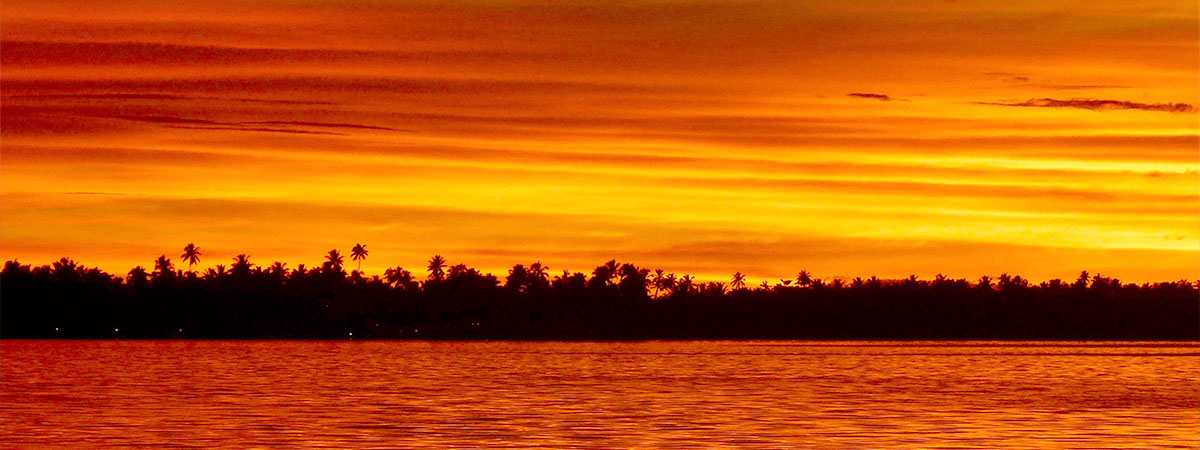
[842, 137]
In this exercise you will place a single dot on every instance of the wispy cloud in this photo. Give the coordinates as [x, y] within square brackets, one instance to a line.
[185, 98]
[873, 96]
[324, 125]
[1021, 79]
[265, 130]
[1097, 105]
[274, 126]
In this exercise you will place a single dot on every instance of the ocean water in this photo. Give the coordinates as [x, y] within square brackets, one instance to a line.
[558, 395]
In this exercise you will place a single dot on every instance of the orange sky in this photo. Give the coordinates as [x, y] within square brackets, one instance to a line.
[842, 137]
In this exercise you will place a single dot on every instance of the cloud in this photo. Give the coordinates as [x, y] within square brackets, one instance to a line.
[202, 124]
[167, 120]
[267, 130]
[324, 125]
[160, 97]
[1021, 79]
[881, 97]
[1010, 77]
[1098, 105]
[1069, 87]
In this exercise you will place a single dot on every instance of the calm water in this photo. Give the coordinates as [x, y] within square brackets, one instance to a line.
[97, 394]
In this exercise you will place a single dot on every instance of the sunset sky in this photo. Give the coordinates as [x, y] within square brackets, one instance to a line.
[846, 138]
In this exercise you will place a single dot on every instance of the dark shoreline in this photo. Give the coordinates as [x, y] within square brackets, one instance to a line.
[617, 302]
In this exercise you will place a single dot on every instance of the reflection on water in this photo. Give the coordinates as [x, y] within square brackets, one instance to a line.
[87, 394]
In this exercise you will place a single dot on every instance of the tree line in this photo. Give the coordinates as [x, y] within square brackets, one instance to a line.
[245, 300]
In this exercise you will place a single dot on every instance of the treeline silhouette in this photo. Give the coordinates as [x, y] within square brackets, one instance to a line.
[614, 302]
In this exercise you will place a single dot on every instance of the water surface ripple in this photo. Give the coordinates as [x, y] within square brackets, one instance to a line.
[652, 395]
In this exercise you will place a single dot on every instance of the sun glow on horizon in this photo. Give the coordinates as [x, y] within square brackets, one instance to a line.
[843, 138]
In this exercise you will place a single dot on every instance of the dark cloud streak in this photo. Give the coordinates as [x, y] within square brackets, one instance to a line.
[268, 130]
[120, 96]
[326, 125]
[1097, 105]
[872, 96]
[203, 124]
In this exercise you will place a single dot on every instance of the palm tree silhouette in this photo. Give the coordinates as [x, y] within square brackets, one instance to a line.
[669, 282]
[803, 278]
[334, 260]
[163, 269]
[436, 267]
[738, 282]
[1082, 281]
[398, 277]
[138, 276]
[610, 268]
[278, 270]
[241, 265]
[191, 255]
[65, 269]
[604, 274]
[359, 253]
[539, 273]
[657, 281]
[685, 283]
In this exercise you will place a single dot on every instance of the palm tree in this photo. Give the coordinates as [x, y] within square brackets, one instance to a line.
[459, 270]
[803, 278]
[739, 281]
[610, 268]
[359, 253]
[669, 282]
[913, 282]
[397, 276]
[1082, 281]
[191, 255]
[278, 270]
[66, 269]
[518, 278]
[404, 280]
[138, 276]
[712, 288]
[539, 272]
[685, 283]
[657, 280]
[604, 274]
[437, 266]
[241, 265]
[1021, 282]
[334, 261]
[163, 269]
